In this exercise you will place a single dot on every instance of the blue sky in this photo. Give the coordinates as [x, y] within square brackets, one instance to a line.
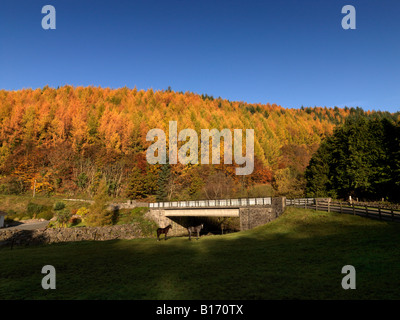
[287, 52]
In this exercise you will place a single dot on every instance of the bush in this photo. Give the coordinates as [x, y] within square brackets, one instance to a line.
[46, 215]
[33, 209]
[82, 180]
[12, 185]
[99, 214]
[83, 212]
[13, 216]
[59, 205]
[63, 216]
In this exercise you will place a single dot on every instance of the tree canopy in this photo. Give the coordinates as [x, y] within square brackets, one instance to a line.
[361, 159]
[66, 140]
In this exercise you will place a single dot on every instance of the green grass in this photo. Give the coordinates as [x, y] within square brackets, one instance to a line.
[298, 256]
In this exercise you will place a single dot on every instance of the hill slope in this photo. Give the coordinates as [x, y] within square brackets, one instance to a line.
[66, 139]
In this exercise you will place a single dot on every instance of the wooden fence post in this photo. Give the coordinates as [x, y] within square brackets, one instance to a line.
[341, 207]
[353, 210]
[316, 205]
[379, 210]
[391, 211]
[329, 209]
[366, 210]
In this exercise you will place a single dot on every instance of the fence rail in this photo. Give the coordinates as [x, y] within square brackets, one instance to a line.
[242, 202]
[375, 212]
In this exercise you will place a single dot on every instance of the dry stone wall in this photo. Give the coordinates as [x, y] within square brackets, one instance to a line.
[254, 217]
[251, 217]
[52, 235]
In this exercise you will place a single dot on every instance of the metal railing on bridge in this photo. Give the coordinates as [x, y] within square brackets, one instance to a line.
[242, 202]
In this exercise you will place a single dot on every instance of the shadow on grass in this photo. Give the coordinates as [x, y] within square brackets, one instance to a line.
[294, 257]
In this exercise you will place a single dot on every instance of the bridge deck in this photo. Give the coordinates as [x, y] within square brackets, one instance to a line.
[223, 203]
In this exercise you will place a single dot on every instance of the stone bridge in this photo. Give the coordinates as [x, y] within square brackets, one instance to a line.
[251, 212]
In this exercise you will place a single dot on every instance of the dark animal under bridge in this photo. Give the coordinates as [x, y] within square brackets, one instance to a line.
[163, 231]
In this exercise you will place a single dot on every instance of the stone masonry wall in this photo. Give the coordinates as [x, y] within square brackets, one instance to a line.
[278, 205]
[158, 216]
[40, 236]
[253, 217]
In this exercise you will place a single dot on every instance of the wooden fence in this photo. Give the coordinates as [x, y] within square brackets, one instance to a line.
[375, 212]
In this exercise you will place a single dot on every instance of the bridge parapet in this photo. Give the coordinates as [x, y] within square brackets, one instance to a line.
[222, 203]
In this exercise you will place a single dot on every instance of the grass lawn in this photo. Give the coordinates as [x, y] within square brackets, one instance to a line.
[298, 256]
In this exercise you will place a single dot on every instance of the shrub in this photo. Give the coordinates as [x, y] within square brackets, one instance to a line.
[63, 216]
[82, 180]
[14, 216]
[46, 215]
[33, 209]
[11, 214]
[59, 205]
[52, 224]
[99, 214]
[83, 212]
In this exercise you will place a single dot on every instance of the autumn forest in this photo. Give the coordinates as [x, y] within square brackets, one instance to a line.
[67, 140]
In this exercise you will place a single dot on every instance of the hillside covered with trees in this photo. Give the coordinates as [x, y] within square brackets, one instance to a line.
[66, 140]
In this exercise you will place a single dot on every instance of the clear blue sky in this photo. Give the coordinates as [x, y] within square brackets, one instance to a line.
[288, 52]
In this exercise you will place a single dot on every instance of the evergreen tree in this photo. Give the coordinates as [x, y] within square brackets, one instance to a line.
[151, 179]
[99, 214]
[136, 184]
[361, 159]
[163, 180]
[317, 173]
